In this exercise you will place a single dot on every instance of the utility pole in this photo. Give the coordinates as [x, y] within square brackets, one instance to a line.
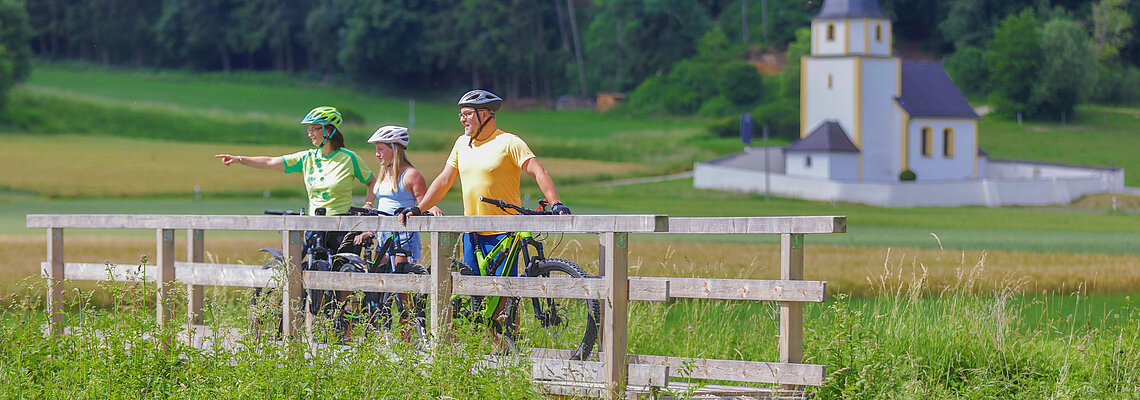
[577, 46]
[744, 21]
[764, 19]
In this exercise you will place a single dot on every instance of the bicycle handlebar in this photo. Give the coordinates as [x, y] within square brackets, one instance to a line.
[503, 205]
[282, 212]
[367, 211]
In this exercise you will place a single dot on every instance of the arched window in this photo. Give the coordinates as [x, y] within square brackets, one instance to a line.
[948, 142]
[927, 141]
[807, 161]
[878, 32]
[830, 32]
[829, 81]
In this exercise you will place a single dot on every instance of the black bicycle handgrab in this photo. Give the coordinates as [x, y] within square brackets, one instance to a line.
[570, 324]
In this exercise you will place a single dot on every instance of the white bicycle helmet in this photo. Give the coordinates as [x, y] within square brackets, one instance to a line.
[391, 134]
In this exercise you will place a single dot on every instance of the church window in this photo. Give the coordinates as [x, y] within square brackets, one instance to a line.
[807, 161]
[927, 141]
[830, 32]
[878, 32]
[829, 79]
[948, 142]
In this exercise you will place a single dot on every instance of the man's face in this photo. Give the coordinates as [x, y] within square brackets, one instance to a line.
[469, 117]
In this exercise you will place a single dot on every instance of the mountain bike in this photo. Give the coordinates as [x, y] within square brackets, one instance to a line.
[317, 257]
[567, 323]
[388, 312]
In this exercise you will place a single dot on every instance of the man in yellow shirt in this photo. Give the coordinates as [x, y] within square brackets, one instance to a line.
[488, 161]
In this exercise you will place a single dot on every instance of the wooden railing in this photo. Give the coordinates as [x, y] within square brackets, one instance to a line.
[615, 370]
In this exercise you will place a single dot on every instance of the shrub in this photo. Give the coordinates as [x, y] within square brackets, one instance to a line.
[1120, 85]
[350, 115]
[740, 83]
[907, 176]
[717, 107]
[782, 118]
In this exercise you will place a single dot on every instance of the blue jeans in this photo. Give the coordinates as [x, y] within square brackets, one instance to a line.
[485, 244]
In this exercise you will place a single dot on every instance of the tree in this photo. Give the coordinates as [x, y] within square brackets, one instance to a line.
[15, 33]
[630, 40]
[1112, 29]
[968, 68]
[1068, 71]
[1014, 56]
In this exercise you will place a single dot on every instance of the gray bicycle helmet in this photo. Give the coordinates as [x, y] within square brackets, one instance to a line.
[479, 98]
[391, 134]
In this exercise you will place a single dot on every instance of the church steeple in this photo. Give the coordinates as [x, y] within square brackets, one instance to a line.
[850, 9]
[851, 28]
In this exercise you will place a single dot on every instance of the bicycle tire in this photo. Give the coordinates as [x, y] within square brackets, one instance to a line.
[259, 317]
[559, 316]
[392, 311]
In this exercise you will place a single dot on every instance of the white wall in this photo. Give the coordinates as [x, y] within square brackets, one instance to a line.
[988, 192]
[880, 48]
[820, 46]
[822, 103]
[881, 123]
[937, 167]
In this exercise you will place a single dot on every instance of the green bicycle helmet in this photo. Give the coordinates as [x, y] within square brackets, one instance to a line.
[323, 115]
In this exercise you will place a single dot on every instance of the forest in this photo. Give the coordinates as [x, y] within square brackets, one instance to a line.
[1036, 57]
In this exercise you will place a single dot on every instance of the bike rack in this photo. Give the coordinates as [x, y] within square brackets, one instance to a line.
[615, 374]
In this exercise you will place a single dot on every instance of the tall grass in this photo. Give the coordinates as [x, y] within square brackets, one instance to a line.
[117, 352]
[967, 340]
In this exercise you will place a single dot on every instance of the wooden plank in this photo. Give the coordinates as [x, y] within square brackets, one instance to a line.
[293, 315]
[594, 371]
[746, 289]
[164, 276]
[104, 272]
[195, 240]
[55, 274]
[442, 245]
[497, 223]
[650, 288]
[615, 320]
[791, 341]
[205, 274]
[521, 286]
[750, 225]
[738, 371]
[354, 281]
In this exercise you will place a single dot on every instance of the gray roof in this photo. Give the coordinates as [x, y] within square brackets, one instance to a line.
[928, 92]
[850, 9]
[828, 136]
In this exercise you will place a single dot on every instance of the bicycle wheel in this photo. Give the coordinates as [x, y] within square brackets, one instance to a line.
[568, 323]
[404, 313]
[265, 305]
[350, 308]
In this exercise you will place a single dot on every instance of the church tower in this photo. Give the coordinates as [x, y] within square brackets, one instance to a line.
[852, 79]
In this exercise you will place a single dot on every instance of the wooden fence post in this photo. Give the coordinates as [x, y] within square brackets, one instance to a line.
[292, 292]
[442, 245]
[164, 264]
[194, 253]
[791, 313]
[615, 247]
[55, 280]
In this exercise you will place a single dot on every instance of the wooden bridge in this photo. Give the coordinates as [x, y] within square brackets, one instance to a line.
[615, 374]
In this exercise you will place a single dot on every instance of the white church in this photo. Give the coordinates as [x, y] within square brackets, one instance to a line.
[866, 117]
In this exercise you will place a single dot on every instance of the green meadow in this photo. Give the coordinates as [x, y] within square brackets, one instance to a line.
[970, 302]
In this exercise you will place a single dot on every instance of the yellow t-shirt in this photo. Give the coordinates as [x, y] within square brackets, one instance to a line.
[489, 168]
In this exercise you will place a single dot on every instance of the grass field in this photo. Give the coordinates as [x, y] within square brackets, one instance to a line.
[971, 302]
